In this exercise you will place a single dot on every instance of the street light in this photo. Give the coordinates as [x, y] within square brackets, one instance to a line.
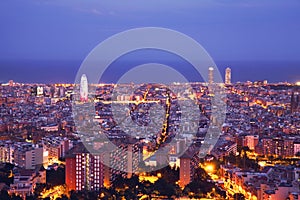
[209, 168]
[159, 175]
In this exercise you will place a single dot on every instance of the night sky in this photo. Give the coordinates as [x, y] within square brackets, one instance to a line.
[46, 41]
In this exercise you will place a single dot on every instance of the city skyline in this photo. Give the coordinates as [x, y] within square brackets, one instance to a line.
[256, 154]
[58, 76]
[140, 99]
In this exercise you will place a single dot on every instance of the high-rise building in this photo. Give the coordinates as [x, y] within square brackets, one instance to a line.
[296, 148]
[56, 146]
[228, 76]
[83, 88]
[62, 92]
[189, 161]
[6, 153]
[268, 146]
[288, 147]
[84, 171]
[11, 83]
[251, 141]
[29, 156]
[278, 147]
[295, 101]
[210, 75]
[123, 160]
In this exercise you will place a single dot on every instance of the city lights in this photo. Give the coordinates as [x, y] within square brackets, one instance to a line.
[209, 168]
[106, 100]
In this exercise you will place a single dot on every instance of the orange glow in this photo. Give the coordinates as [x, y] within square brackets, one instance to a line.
[159, 175]
[209, 168]
[151, 179]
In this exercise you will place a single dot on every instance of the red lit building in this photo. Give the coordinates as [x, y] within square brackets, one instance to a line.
[84, 171]
[189, 161]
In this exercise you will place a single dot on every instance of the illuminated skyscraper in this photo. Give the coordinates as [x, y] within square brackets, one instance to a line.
[295, 101]
[84, 171]
[87, 171]
[210, 75]
[83, 88]
[228, 76]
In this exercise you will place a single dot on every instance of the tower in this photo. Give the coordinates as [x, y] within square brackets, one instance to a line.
[210, 75]
[295, 100]
[228, 76]
[83, 88]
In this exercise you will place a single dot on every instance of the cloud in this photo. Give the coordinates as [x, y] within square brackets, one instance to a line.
[93, 11]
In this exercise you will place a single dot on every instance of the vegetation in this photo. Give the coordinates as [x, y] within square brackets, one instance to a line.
[5, 173]
[238, 196]
[242, 161]
[56, 176]
[165, 187]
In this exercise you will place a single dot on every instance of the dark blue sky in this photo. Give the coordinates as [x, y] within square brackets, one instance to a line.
[46, 40]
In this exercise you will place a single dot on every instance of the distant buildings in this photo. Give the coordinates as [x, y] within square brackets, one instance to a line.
[227, 75]
[251, 141]
[278, 182]
[224, 148]
[50, 127]
[29, 156]
[258, 116]
[39, 91]
[25, 181]
[56, 147]
[6, 153]
[283, 147]
[296, 148]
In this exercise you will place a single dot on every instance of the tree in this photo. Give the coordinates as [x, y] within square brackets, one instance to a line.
[200, 174]
[147, 188]
[5, 174]
[193, 189]
[56, 177]
[231, 158]
[238, 196]
[15, 197]
[39, 188]
[200, 185]
[63, 197]
[4, 195]
[163, 188]
[31, 197]
[129, 194]
[169, 174]
[73, 195]
[244, 149]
